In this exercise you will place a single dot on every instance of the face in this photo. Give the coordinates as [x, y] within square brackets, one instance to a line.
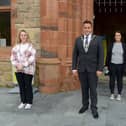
[23, 37]
[87, 29]
[118, 37]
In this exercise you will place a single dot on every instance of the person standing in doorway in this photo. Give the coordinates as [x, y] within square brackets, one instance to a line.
[23, 59]
[115, 62]
[88, 62]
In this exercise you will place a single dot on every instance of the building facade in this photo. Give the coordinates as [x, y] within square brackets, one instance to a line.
[53, 26]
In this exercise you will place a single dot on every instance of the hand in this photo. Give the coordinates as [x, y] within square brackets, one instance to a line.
[98, 73]
[74, 73]
[19, 67]
[27, 53]
[106, 67]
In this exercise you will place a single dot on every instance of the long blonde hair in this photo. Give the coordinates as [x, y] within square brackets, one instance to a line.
[18, 36]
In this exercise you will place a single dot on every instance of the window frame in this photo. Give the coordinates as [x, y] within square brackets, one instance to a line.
[5, 51]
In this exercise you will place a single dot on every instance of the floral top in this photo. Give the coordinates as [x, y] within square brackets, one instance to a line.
[24, 54]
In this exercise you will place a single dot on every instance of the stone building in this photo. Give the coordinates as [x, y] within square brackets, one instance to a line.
[53, 26]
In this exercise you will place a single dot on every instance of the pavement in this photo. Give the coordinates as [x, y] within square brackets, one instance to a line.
[62, 109]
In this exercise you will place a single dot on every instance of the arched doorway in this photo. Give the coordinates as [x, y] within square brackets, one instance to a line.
[110, 15]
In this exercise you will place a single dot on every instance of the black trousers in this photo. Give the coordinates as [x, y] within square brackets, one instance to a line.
[25, 86]
[88, 82]
[116, 73]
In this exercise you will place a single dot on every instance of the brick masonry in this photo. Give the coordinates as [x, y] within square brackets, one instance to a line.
[28, 18]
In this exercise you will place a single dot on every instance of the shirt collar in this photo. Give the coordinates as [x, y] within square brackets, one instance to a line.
[89, 36]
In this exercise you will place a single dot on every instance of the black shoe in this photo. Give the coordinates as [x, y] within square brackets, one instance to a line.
[95, 114]
[82, 110]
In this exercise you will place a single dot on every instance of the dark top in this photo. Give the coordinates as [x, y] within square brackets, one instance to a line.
[91, 61]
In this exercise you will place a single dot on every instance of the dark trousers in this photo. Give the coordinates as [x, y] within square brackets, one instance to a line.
[88, 82]
[116, 73]
[25, 86]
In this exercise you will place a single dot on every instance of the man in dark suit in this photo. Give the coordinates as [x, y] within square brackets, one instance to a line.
[88, 61]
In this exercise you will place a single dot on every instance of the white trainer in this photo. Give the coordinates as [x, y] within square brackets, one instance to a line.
[112, 97]
[28, 106]
[118, 97]
[22, 105]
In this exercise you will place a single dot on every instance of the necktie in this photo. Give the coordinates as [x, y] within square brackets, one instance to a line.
[86, 44]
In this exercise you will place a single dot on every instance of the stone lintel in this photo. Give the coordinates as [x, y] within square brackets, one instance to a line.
[48, 61]
[53, 28]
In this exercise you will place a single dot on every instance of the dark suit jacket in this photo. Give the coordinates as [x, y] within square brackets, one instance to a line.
[109, 54]
[91, 61]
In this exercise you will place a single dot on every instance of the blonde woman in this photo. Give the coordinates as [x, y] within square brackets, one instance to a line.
[23, 59]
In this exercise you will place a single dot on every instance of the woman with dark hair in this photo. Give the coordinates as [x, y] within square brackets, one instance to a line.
[115, 61]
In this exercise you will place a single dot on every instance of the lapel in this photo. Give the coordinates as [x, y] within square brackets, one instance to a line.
[91, 42]
[82, 41]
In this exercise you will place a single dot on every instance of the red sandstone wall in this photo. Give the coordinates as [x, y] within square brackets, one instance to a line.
[60, 25]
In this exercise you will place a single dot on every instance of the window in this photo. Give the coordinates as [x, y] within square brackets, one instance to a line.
[5, 23]
[5, 2]
[110, 6]
[4, 29]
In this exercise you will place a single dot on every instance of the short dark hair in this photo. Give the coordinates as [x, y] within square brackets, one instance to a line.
[87, 22]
